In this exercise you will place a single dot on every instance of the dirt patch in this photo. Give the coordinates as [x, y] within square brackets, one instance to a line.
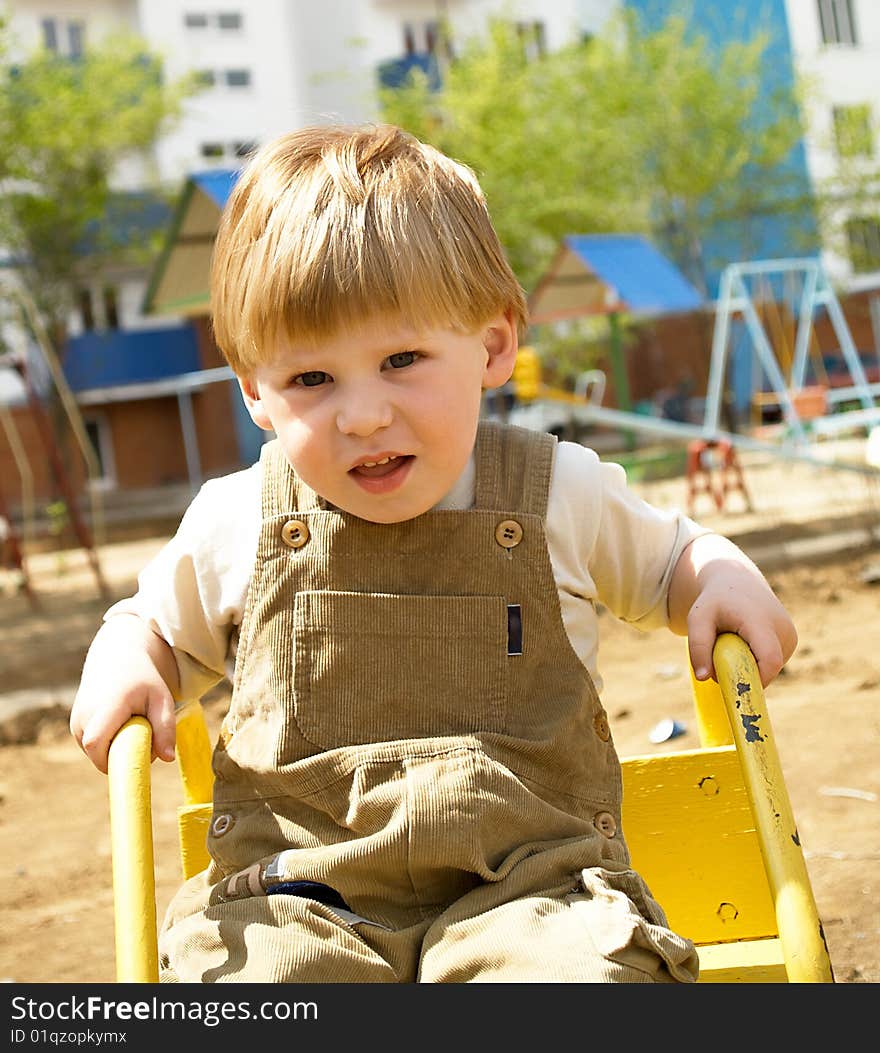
[56, 909]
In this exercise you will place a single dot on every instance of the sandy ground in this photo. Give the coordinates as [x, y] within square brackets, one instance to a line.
[56, 910]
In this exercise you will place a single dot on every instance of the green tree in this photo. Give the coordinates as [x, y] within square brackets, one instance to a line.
[65, 127]
[713, 135]
[637, 131]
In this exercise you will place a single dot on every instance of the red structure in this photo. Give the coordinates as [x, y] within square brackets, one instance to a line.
[713, 469]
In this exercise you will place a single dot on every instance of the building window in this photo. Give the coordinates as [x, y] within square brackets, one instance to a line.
[225, 20]
[863, 235]
[237, 78]
[232, 78]
[426, 38]
[49, 29]
[99, 434]
[76, 39]
[432, 35]
[852, 131]
[84, 300]
[533, 38]
[53, 33]
[111, 307]
[837, 22]
[228, 151]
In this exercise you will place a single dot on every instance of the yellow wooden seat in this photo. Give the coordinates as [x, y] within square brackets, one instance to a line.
[711, 830]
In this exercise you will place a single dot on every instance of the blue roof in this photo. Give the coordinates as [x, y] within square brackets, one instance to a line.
[642, 277]
[217, 183]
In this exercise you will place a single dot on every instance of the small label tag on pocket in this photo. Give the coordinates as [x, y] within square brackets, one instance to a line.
[514, 629]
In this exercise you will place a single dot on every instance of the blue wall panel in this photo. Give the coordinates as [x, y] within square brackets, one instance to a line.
[107, 359]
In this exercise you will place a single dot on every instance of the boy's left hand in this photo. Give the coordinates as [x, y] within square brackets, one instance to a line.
[716, 588]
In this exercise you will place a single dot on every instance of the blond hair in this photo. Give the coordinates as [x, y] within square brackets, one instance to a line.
[330, 226]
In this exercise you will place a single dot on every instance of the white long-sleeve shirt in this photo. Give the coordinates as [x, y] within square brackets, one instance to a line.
[607, 546]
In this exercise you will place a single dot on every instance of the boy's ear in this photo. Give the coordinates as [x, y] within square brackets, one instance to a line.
[251, 394]
[501, 340]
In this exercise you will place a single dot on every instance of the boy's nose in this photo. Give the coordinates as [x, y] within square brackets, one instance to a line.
[364, 413]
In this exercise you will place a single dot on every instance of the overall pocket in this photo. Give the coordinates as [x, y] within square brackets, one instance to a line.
[376, 667]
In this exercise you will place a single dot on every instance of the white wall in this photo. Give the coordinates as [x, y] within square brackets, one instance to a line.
[220, 114]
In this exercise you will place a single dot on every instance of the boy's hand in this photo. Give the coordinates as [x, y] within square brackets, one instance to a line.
[716, 588]
[129, 671]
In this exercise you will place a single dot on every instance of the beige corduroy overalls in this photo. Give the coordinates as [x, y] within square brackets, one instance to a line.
[415, 780]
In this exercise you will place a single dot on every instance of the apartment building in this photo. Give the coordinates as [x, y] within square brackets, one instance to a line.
[835, 47]
[269, 65]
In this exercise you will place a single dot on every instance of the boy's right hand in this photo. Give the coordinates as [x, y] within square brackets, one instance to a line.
[128, 671]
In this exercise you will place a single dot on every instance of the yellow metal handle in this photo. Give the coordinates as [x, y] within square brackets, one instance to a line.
[131, 834]
[797, 919]
[712, 723]
[197, 775]
[194, 754]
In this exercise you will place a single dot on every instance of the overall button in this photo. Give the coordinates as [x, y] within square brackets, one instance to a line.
[600, 726]
[605, 823]
[295, 533]
[221, 825]
[508, 533]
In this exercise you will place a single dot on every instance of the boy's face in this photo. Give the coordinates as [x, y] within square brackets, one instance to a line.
[380, 420]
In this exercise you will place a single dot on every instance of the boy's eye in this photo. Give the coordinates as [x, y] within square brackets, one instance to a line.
[312, 378]
[401, 359]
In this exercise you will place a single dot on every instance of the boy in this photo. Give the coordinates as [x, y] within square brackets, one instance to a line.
[415, 780]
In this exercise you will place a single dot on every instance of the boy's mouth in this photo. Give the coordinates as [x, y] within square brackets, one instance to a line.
[376, 469]
[384, 473]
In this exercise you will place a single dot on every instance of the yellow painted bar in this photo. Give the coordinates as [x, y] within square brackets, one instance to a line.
[194, 754]
[193, 821]
[800, 930]
[745, 962]
[712, 723]
[197, 776]
[131, 834]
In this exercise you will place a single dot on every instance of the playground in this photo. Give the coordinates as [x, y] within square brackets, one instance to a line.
[815, 536]
[803, 502]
